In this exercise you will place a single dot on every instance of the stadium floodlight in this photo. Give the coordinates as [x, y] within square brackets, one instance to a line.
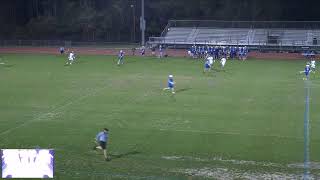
[142, 24]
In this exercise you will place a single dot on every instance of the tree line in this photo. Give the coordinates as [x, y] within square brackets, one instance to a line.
[117, 20]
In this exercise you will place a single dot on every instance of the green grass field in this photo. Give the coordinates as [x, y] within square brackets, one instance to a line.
[245, 122]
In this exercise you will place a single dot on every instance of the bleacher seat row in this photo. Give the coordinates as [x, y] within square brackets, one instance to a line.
[241, 36]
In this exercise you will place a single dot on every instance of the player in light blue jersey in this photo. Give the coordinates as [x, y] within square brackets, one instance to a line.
[207, 66]
[102, 142]
[170, 84]
[120, 57]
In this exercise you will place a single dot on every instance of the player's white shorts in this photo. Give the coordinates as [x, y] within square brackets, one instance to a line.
[223, 63]
[71, 59]
[210, 60]
[313, 66]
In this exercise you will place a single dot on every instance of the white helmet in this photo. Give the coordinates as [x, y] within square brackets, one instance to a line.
[307, 65]
[170, 76]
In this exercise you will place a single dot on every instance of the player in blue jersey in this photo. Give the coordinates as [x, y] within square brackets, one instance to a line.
[199, 52]
[202, 52]
[216, 52]
[170, 84]
[306, 71]
[61, 50]
[120, 57]
[245, 52]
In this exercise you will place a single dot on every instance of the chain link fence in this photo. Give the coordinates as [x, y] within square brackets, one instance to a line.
[59, 43]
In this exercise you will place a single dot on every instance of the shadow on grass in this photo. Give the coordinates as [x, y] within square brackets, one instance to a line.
[131, 61]
[8, 65]
[118, 156]
[222, 70]
[183, 89]
[81, 62]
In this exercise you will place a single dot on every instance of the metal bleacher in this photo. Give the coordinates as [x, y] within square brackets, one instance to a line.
[177, 34]
[240, 33]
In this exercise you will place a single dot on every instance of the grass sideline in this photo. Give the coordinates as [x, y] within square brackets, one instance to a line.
[248, 118]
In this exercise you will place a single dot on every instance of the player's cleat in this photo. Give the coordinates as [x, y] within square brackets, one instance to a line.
[107, 159]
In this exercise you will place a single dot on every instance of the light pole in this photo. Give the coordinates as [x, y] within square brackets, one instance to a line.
[134, 22]
[142, 23]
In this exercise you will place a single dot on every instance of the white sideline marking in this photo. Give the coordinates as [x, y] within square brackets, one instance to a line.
[2, 63]
[313, 165]
[217, 158]
[229, 174]
[231, 133]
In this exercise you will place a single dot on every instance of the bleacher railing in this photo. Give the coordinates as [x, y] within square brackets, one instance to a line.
[246, 24]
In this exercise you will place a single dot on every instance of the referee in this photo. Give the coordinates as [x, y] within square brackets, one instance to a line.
[102, 141]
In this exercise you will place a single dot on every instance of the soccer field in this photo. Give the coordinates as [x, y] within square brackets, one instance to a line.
[244, 122]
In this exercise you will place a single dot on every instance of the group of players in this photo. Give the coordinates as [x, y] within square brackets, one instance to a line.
[217, 52]
[210, 55]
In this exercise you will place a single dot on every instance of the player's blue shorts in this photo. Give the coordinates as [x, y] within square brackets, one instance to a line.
[207, 66]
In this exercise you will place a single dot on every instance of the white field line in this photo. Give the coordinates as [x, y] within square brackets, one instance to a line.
[230, 174]
[313, 165]
[53, 111]
[232, 161]
[232, 133]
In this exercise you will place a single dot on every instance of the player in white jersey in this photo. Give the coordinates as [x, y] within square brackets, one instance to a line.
[71, 58]
[210, 60]
[223, 62]
[120, 57]
[313, 65]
